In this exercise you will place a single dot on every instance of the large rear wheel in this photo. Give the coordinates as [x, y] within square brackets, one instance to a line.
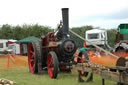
[52, 64]
[35, 57]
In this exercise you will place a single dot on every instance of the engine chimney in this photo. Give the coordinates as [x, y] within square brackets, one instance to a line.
[65, 20]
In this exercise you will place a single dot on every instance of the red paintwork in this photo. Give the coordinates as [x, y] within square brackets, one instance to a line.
[31, 58]
[10, 42]
[50, 65]
[45, 41]
[20, 48]
[81, 61]
[49, 37]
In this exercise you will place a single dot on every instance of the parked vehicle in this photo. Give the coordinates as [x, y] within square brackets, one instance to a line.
[122, 38]
[3, 45]
[53, 51]
[96, 36]
[10, 45]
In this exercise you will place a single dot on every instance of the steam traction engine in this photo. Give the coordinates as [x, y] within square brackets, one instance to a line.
[54, 51]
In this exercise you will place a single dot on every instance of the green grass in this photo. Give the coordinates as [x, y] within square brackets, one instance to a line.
[23, 77]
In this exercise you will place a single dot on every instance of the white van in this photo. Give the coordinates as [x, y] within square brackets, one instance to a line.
[96, 36]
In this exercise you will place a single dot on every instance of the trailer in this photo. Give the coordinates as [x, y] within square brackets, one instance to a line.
[117, 73]
[6, 45]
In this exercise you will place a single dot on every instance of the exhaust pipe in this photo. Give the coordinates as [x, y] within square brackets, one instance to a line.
[65, 20]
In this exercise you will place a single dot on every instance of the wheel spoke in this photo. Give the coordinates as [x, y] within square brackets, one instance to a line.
[32, 53]
[32, 60]
[50, 66]
[52, 63]
[33, 65]
[50, 71]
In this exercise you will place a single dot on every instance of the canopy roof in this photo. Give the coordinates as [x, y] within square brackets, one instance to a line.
[28, 39]
[123, 26]
[95, 31]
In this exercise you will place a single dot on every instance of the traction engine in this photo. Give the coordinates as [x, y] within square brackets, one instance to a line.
[54, 51]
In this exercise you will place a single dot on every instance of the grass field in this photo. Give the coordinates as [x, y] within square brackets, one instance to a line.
[23, 77]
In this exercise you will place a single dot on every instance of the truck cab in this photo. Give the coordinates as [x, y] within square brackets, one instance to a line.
[96, 36]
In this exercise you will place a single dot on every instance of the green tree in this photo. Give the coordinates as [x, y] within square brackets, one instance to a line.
[18, 32]
[111, 33]
[81, 31]
[6, 32]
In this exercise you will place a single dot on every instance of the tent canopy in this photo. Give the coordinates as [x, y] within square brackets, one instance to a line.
[27, 40]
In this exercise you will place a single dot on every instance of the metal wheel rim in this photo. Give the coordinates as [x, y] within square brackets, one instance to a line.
[31, 58]
[50, 65]
[81, 73]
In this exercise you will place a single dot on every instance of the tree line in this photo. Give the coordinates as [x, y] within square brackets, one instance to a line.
[19, 32]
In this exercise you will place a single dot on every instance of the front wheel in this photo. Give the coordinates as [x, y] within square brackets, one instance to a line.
[52, 64]
[82, 75]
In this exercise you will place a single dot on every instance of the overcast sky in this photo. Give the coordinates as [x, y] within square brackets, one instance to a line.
[98, 13]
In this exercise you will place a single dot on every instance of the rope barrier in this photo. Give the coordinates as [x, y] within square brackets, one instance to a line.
[10, 57]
